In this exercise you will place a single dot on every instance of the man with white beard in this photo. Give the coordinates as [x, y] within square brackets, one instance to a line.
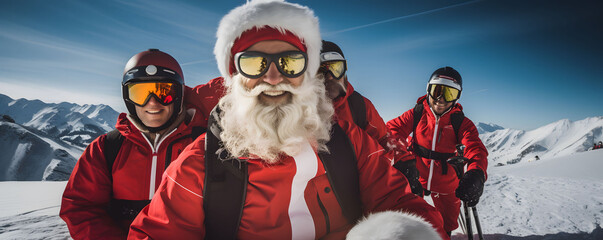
[273, 164]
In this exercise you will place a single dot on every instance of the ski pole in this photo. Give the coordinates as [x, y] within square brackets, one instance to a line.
[477, 224]
[468, 220]
[458, 165]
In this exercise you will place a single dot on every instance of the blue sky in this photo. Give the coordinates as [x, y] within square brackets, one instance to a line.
[524, 63]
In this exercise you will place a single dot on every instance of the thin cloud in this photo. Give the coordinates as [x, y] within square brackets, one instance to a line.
[186, 19]
[29, 36]
[401, 17]
[197, 62]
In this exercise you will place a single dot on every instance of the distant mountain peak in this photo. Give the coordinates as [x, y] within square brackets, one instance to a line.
[559, 138]
[487, 127]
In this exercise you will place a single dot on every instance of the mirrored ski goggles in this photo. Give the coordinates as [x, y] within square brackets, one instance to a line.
[140, 93]
[335, 68]
[255, 64]
[448, 93]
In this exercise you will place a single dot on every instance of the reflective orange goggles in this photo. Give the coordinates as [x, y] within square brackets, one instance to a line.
[140, 93]
[335, 68]
[448, 93]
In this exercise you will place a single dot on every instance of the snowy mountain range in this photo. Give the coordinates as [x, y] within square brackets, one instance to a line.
[561, 138]
[42, 141]
[68, 122]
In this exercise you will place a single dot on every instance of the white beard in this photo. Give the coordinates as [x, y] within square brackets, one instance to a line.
[251, 128]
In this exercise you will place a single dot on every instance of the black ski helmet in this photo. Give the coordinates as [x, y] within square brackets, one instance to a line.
[154, 66]
[446, 76]
[328, 46]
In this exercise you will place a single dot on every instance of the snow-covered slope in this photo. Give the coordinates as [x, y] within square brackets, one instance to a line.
[29, 157]
[560, 194]
[561, 138]
[558, 197]
[67, 121]
[30, 210]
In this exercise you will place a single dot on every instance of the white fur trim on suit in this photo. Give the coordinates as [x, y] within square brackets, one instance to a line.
[393, 225]
[278, 14]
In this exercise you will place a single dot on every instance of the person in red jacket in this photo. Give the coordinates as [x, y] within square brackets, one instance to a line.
[271, 131]
[434, 141]
[105, 193]
[333, 67]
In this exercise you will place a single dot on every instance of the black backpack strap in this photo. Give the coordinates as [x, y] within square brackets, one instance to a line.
[195, 132]
[417, 113]
[456, 119]
[358, 109]
[225, 186]
[426, 153]
[341, 166]
[113, 142]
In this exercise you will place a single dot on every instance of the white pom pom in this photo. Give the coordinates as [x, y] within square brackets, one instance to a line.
[393, 225]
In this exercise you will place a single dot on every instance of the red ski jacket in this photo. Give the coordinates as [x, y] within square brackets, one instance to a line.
[136, 174]
[376, 126]
[290, 198]
[205, 96]
[437, 134]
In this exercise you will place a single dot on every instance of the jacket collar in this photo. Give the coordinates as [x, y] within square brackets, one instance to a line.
[129, 126]
[340, 100]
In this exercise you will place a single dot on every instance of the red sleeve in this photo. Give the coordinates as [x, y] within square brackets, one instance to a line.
[383, 187]
[176, 210]
[401, 126]
[205, 96]
[87, 195]
[376, 126]
[474, 148]
[398, 130]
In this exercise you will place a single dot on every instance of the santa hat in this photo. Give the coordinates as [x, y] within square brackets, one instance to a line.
[260, 20]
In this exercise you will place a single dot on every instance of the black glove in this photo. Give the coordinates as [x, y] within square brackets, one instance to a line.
[458, 164]
[409, 169]
[471, 187]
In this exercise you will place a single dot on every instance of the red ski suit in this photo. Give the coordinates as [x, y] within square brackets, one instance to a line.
[376, 126]
[438, 135]
[136, 174]
[176, 211]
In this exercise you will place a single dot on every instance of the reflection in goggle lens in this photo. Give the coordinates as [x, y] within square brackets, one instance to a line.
[335, 68]
[139, 93]
[255, 64]
[448, 93]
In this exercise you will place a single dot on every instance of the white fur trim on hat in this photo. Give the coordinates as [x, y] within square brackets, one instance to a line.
[392, 225]
[278, 14]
